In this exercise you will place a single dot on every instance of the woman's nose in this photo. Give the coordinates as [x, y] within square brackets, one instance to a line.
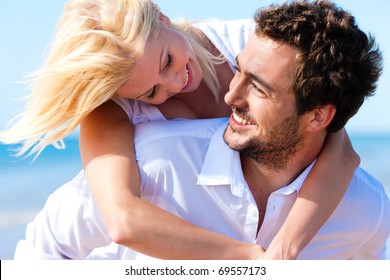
[174, 82]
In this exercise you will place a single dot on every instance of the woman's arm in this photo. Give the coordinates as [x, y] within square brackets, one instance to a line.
[107, 150]
[320, 194]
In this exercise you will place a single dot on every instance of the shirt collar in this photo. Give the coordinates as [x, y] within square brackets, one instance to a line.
[222, 165]
[297, 183]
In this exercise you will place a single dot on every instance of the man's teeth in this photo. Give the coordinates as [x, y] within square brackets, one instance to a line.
[241, 120]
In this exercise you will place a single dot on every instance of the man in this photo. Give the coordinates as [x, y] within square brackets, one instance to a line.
[304, 73]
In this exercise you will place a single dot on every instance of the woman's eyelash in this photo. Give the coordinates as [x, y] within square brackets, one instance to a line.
[153, 94]
[169, 61]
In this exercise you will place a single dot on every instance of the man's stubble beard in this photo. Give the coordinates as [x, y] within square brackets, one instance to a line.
[275, 153]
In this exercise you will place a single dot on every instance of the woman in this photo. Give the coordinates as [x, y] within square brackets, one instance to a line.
[110, 53]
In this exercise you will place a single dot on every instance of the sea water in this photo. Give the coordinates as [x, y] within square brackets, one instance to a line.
[26, 184]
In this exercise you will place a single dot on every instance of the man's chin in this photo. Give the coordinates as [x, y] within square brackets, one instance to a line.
[233, 140]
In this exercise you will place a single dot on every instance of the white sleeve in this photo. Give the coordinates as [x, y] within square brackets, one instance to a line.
[229, 36]
[69, 226]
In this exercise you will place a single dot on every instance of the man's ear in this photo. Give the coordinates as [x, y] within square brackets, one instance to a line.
[321, 117]
[165, 19]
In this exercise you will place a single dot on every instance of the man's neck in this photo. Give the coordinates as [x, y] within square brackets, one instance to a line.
[266, 180]
[263, 181]
[270, 179]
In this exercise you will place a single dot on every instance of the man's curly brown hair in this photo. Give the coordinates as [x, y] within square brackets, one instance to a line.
[337, 64]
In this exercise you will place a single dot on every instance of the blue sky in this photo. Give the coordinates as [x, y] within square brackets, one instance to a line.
[27, 26]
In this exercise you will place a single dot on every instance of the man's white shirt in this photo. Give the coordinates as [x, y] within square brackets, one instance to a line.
[187, 169]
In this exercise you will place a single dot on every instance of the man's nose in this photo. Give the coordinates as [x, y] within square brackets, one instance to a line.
[236, 96]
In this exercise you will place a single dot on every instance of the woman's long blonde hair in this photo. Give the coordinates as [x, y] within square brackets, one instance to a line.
[92, 54]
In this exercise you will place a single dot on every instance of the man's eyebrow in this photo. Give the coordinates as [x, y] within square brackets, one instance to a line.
[255, 77]
[261, 81]
[151, 89]
[237, 63]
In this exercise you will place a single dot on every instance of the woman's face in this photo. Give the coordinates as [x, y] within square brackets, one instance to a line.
[167, 67]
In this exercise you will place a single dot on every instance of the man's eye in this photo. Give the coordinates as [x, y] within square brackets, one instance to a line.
[257, 89]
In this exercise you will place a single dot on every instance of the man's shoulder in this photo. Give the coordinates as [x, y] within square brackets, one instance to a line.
[175, 146]
[173, 130]
[364, 180]
[369, 205]
[367, 194]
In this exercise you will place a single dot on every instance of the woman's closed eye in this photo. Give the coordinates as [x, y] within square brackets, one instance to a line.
[152, 94]
[169, 62]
